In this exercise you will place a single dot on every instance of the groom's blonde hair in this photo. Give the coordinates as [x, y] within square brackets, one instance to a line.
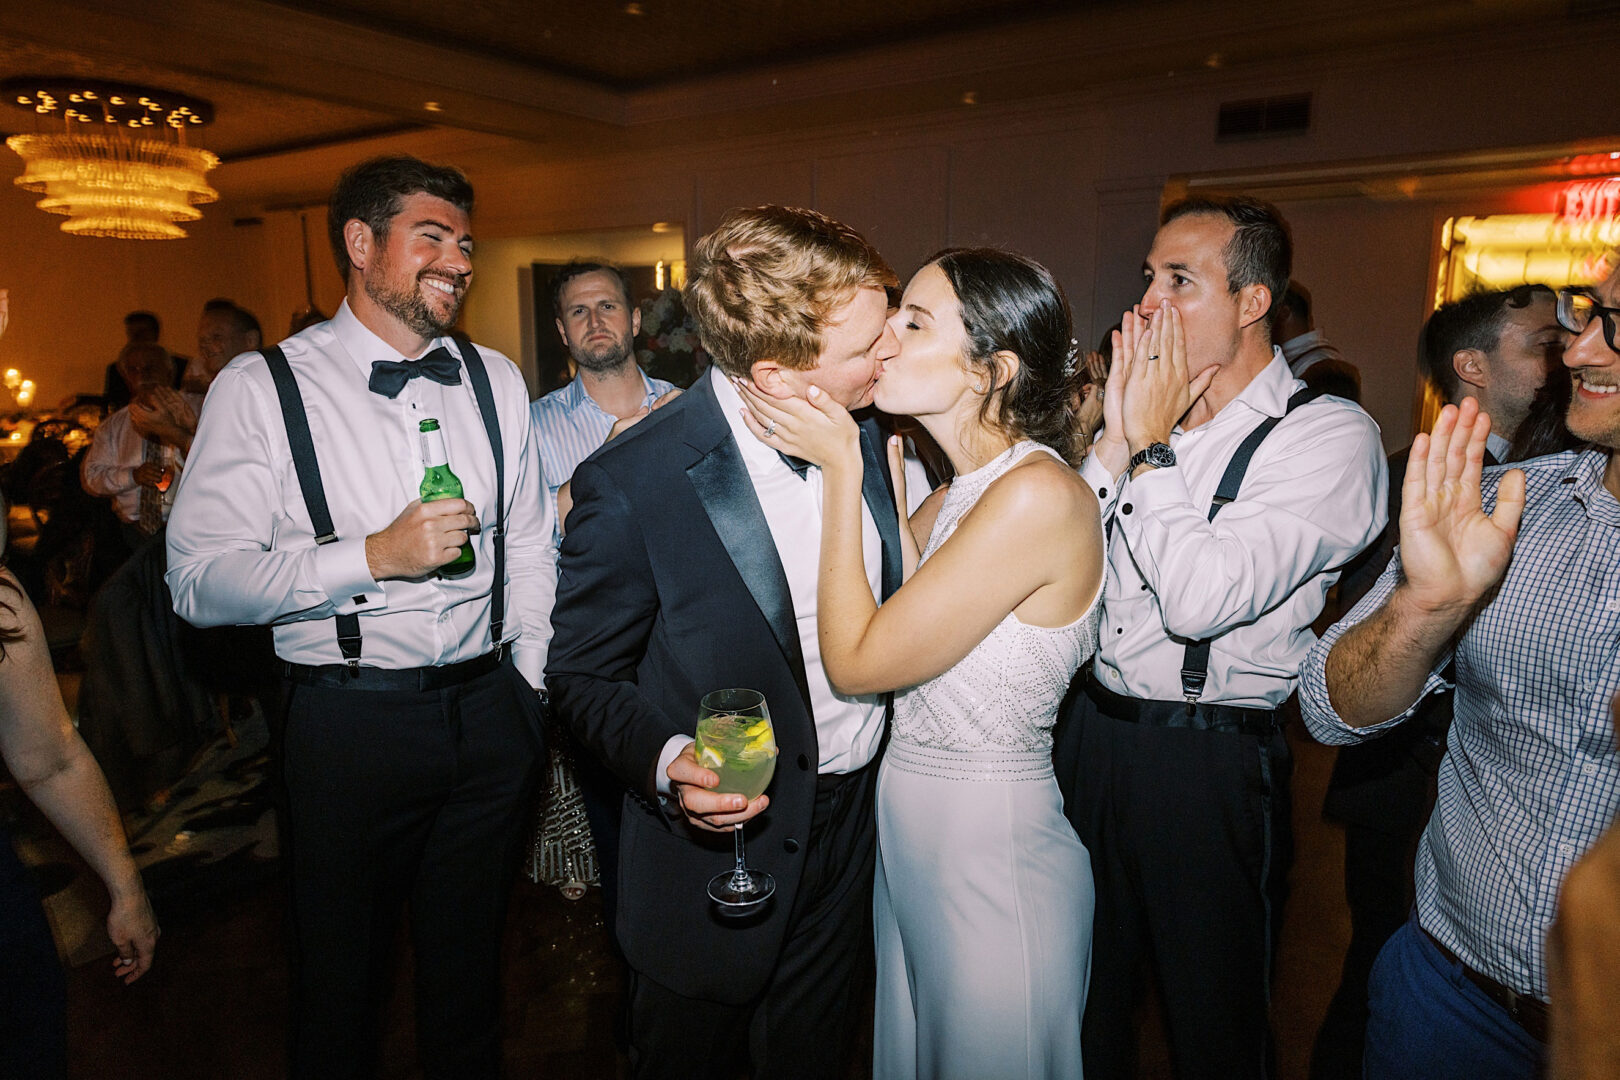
[764, 284]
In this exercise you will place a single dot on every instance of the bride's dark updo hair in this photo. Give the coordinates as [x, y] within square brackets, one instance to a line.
[1012, 303]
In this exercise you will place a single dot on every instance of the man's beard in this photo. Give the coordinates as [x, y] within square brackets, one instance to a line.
[409, 306]
[602, 358]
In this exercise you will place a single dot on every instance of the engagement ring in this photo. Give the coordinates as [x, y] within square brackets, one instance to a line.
[771, 430]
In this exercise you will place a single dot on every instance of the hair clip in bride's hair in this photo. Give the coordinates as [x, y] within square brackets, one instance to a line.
[1071, 361]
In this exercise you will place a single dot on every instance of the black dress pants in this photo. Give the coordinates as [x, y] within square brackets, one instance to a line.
[803, 1026]
[396, 798]
[1186, 847]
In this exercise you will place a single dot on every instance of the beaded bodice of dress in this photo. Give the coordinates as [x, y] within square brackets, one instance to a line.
[1005, 693]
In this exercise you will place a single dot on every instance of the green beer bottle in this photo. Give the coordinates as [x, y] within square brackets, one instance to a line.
[438, 482]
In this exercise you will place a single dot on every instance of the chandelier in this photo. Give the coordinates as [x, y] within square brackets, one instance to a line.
[120, 165]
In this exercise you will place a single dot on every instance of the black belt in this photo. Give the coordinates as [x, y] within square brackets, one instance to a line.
[1528, 1012]
[342, 677]
[1183, 714]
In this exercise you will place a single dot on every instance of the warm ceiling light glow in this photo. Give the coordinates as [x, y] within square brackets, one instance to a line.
[970, 97]
[634, 9]
[432, 106]
[132, 184]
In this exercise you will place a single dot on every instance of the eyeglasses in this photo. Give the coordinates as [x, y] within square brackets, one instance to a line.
[1576, 309]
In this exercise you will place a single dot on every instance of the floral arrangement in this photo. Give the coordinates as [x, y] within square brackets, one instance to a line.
[669, 346]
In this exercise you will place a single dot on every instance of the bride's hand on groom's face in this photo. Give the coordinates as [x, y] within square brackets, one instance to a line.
[709, 810]
[815, 428]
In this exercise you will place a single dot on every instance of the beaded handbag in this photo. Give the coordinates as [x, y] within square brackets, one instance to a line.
[563, 853]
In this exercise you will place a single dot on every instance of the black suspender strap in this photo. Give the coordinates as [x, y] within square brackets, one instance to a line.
[1195, 663]
[492, 426]
[309, 482]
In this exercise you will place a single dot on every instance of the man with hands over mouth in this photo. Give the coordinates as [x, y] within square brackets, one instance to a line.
[1232, 500]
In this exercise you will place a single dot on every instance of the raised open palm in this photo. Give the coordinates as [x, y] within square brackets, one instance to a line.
[1452, 552]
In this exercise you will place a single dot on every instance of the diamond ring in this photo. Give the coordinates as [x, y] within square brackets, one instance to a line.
[771, 430]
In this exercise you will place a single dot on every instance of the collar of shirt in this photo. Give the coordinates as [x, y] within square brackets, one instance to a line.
[1584, 484]
[760, 459]
[364, 347]
[1295, 347]
[1498, 447]
[575, 396]
[1266, 395]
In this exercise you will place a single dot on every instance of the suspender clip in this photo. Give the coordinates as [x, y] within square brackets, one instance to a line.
[325, 539]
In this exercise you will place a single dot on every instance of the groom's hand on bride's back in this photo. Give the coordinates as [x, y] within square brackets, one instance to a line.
[690, 782]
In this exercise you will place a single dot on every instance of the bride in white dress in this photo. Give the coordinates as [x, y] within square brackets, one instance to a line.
[983, 900]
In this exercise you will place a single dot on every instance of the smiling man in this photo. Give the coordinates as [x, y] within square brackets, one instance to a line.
[1516, 585]
[410, 721]
[690, 566]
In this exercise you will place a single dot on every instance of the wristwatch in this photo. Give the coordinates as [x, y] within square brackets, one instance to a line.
[1159, 455]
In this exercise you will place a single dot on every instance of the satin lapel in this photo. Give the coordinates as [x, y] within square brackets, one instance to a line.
[721, 482]
[875, 487]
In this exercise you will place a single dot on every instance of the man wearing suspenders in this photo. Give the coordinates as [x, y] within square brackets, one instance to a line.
[1232, 496]
[412, 712]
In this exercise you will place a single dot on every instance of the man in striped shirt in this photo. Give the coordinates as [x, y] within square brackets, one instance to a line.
[598, 322]
[1517, 584]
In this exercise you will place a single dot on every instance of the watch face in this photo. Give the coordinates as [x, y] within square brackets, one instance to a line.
[1161, 455]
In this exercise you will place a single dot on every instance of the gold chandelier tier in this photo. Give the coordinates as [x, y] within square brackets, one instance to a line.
[131, 174]
[116, 185]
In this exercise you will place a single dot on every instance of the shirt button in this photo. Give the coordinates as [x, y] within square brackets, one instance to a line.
[1119, 629]
[1566, 850]
[1589, 768]
[1125, 509]
[1102, 493]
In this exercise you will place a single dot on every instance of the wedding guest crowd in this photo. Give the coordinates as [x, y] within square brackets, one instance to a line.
[1029, 739]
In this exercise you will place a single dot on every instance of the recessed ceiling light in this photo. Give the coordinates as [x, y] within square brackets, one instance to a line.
[970, 97]
[634, 9]
[432, 106]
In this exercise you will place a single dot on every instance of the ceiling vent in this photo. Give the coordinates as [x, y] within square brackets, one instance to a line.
[1264, 118]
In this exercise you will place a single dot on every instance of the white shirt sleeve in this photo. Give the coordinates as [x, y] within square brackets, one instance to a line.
[1105, 485]
[1314, 497]
[531, 556]
[228, 513]
[104, 473]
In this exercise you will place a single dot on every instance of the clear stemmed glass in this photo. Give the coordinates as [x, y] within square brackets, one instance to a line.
[736, 742]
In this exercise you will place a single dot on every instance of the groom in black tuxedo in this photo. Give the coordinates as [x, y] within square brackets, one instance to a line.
[689, 565]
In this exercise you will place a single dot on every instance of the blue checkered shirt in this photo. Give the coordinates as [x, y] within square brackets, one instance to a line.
[1530, 777]
[569, 425]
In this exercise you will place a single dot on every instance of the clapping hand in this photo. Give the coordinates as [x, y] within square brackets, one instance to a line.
[816, 429]
[1158, 390]
[1452, 552]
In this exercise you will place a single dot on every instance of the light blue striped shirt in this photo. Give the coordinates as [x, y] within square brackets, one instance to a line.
[569, 425]
[1530, 778]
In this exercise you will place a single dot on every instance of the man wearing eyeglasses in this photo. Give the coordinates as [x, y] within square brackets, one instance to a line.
[1515, 581]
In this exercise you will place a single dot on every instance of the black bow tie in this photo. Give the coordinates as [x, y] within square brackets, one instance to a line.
[798, 465]
[388, 377]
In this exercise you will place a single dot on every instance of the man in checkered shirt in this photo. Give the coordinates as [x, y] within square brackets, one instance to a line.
[1518, 579]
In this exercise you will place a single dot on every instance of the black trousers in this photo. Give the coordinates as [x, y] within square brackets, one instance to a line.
[1189, 844]
[803, 1026]
[396, 798]
[33, 988]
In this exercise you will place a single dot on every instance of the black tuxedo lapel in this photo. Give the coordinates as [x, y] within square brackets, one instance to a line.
[878, 490]
[721, 482]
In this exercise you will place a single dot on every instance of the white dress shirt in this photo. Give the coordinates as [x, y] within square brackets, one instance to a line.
[848, 729]
[116, 451]
[1256, 577]
[241, 547]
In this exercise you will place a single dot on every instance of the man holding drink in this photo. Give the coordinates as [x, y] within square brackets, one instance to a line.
[689, 567]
